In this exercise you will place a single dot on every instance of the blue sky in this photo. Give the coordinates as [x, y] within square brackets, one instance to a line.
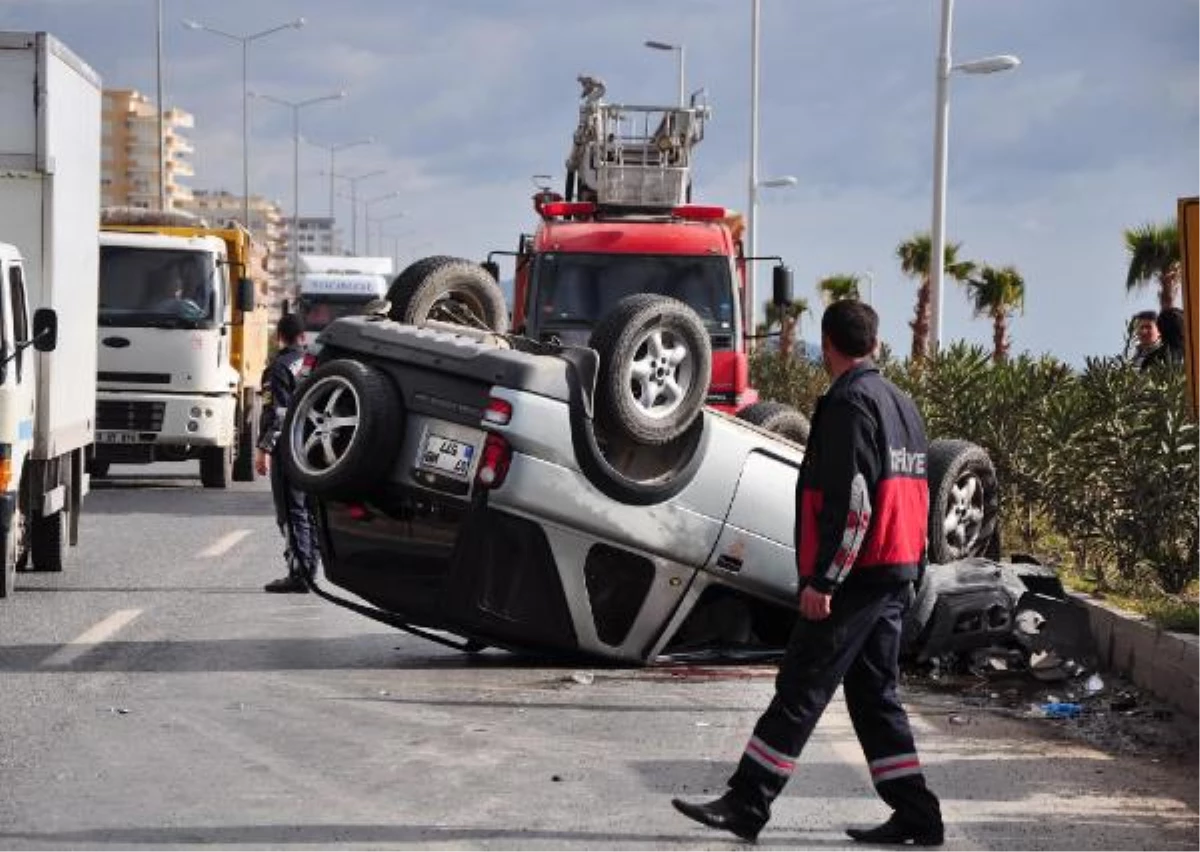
[1095, 132]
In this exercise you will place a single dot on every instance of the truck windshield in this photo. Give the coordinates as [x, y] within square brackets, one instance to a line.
[317, 313]
[158, 288]
[579, 289]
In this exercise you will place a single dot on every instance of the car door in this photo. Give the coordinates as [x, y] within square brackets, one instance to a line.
[756, 550]
[19, 380]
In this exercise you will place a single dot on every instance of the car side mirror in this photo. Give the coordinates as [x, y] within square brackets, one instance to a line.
[45, 330]
[781, 285]
[491, 268]
[245, 295]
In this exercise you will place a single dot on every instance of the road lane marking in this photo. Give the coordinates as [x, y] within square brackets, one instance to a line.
[223, 545]
[91, 637]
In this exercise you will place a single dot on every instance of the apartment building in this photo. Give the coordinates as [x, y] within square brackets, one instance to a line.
[318, 235]
[129, 174]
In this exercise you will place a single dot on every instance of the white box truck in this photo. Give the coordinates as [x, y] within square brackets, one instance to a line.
[334, 286]
[49, 222]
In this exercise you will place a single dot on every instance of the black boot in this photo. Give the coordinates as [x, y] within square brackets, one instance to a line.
[725, 814]
[898, 832]
[291, 583]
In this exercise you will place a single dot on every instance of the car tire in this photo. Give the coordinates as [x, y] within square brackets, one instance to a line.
[243, 466]
[781, 419]
[448, 289]
[341, 431]
[216, 466]
[97, 469]
[964, 501]
[48, 537]
[651, 347]
[11, 556]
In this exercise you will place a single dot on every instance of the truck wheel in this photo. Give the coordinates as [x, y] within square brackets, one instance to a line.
[341, 432]
[783, 420]
[243, 466]
[448, 289]
[964, 501]
[216, 466]
[655, 361]
[11, 555]
[49, 540]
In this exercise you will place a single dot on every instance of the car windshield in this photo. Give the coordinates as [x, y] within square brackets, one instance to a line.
[318, 313]
[157, 288]
[579, 289]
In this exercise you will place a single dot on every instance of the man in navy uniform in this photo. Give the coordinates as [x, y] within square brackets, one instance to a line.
[291, 510]
[862, 507]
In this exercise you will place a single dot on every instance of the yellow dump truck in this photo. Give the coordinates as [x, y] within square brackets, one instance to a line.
[183, 342]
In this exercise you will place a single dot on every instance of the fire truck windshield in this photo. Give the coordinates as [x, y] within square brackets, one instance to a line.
[579, 289]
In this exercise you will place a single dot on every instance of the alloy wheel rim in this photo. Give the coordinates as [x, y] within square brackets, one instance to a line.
[325, 425]
[661, 374]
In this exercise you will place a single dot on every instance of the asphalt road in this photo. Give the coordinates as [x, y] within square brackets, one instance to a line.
[153, 696]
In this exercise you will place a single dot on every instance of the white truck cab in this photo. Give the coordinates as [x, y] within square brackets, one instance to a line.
[166, 390]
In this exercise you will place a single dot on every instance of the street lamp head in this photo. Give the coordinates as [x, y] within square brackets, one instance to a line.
[988, 65]
[297, 24]
[189, 24]
[660, 45]
[774, 183]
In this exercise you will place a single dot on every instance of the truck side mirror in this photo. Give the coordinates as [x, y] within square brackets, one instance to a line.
[45, 330]
[781, 285]
[245, 295]
[491, 268]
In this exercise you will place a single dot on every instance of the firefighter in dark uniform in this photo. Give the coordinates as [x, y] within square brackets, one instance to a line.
[291, 510]
[862, 506]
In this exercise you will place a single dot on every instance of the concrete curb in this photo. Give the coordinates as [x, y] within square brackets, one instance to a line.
[1166, 664]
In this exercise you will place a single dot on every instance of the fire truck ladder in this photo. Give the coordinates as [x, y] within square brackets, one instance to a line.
[635, 157]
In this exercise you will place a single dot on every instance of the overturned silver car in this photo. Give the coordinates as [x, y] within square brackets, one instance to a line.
[577, 500]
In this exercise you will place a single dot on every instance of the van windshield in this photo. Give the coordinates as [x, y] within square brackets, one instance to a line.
[579, 289]
[157, 288]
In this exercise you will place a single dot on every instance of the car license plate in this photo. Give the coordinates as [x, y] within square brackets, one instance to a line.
[119, 438]
[447, 455]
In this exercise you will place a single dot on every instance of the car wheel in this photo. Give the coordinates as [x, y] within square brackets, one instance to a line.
[448, 289]
[964, 501]
[341, 431]
[11, 555]
[783, 420]
[48, 540]
[655, 364]
[216, 466]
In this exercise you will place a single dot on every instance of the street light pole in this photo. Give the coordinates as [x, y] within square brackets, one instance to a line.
[367, 213]
[245, 42]
[353, 181]
[295, 107]
[333, 150]
[162, 142]
[379, 221]
[750, 308]
[937, 234]
[941, 143]
[681, 50]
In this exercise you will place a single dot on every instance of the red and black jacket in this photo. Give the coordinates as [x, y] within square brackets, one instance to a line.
[862, 496]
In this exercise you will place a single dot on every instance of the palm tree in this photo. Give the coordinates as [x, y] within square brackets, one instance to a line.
[1154, 256]
[838, 288]
[914, 254]
[996, 294]
[787, 318]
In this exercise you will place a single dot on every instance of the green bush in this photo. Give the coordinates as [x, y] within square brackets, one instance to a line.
[1104, 458]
